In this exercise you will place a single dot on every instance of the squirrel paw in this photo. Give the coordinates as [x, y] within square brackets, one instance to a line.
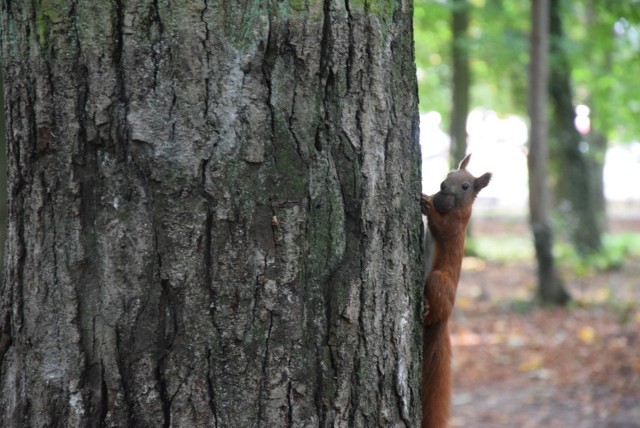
[425, 311]
[425, 203]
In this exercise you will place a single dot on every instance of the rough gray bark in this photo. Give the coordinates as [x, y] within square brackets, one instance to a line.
[214, 215]
[3, 183]
[550, 286]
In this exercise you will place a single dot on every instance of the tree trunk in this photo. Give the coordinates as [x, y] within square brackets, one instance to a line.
[214, 215]
[3, 183]
[461, 82]
[598, 144]
[577, 188]
[550, 287]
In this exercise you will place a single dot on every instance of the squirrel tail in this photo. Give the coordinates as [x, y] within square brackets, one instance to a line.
[436, 376]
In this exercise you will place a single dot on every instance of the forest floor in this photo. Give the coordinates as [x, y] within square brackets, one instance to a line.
[517, 364]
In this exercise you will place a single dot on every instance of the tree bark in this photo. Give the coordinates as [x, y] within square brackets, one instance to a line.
[577, 188]
[3, 182]
[550, 287]
[214, 215]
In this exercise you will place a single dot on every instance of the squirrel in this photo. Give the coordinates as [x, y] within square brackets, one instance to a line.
[448, 213]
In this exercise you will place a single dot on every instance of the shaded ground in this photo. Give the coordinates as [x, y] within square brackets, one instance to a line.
[519, 365]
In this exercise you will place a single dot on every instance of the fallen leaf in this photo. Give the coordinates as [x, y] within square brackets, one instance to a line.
[533, 363]
[465, 338]
[464, 302]
[587, 334]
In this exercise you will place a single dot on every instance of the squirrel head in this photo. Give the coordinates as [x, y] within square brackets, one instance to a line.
[459, 189]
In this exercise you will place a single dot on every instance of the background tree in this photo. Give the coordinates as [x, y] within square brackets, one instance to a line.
[550, 287]
[461, 81]
[214, 214]
[578, 184]
[599, 38]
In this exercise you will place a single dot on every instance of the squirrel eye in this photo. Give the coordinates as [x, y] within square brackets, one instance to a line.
[465, 186]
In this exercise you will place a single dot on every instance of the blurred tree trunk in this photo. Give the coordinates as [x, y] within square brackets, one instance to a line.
[461, 81]
[214, 215]
[550, 286]
[578, 193]
[597, 137]
[598, 145]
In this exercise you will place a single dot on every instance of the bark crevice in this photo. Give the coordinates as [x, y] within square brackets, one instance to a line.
[211, 392]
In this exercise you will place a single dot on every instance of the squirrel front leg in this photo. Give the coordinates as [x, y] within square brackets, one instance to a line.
[440, 292]
[439, 297]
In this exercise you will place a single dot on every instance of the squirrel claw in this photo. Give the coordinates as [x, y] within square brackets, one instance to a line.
[425, 311]
[425, 203]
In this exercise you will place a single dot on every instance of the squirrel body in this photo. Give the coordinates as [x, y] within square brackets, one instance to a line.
[448, 213]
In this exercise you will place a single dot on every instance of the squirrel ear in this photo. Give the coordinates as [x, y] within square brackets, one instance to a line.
[464, 162]
[481, 182]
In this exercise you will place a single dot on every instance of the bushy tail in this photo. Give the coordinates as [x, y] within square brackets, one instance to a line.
[436, 376]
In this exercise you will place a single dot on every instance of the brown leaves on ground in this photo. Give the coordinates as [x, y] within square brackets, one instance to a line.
[519, 365]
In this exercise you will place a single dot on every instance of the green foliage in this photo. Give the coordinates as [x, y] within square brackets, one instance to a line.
[498, 52]
[602, 41]
[501, 32]
[432, 34]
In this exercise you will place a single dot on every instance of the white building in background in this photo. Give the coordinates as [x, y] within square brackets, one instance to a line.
[622, 173]
[499, 145]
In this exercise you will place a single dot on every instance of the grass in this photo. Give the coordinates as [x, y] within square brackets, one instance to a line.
[616, 249]
[500, 248]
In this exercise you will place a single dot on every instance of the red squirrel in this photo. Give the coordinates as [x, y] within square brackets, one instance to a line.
[448, 213]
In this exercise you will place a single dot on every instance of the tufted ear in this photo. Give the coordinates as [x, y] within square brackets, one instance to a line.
[464, 162]
[481, 182]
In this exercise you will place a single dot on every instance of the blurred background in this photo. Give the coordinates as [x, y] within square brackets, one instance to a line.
[522, 357]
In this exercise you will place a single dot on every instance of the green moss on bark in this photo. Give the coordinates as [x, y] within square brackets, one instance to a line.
[49, 15]
[383, 9]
